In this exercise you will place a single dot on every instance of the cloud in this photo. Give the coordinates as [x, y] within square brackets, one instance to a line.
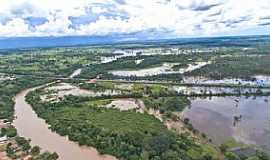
[265, 24]
[35, 21]
[217, 13]
[266, 17]
[202, 7]
[120, 1]
[141, 18]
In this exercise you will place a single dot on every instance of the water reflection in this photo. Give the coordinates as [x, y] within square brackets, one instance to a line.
[247, 119]
[255, 80]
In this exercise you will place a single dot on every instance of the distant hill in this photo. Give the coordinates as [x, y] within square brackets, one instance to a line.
[45, 42]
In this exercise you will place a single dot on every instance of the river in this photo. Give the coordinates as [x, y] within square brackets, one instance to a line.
[29, 125]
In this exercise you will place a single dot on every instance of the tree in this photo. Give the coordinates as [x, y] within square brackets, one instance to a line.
[10, 131]
[48, 156]
[204, 135]
[159, 144]
[263, 156]
[171, 155]
[54, 156]
[186, 120]
[223, 148]
[35, 151]
[9, 150]
[253, 158]
[207, 157]
[22, 142]
[231, 156]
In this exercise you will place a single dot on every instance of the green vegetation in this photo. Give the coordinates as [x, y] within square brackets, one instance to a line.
[167, 104]
[153, 90]
[243, 66]
[24, 145]
[231, 144]
[48, 62]
[10, 131]
[100, 86]
[8, 89]
[126, 135]
[203, 153]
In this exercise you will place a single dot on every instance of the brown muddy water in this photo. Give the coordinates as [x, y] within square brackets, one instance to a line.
[216, 118]
[30, 126]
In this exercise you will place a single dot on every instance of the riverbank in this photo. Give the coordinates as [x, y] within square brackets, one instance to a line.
[38, 131]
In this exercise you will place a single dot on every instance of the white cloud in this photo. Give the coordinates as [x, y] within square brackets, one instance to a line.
[15, 27]
[104, 17]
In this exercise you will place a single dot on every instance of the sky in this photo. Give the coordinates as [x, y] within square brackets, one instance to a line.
[134, 18]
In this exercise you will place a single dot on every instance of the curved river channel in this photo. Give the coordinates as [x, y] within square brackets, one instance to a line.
[29, 125]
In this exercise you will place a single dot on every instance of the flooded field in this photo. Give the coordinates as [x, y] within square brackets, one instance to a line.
[217, 90]
[60, 90]
[256, 80]
[165, 68]
[151, 52]
[245, 119]
[117, 55]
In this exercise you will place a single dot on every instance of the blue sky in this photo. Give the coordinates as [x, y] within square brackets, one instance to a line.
[136, 18]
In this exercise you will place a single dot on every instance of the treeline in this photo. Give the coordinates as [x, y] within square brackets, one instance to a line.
[173, 77]
[244, 66]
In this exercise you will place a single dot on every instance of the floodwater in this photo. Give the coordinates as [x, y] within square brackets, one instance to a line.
[60, 90]
[117, 55]
[216, 90]
[30, 126]
[245, 119]
[258, 80]
[76, 73]
[165, 68]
